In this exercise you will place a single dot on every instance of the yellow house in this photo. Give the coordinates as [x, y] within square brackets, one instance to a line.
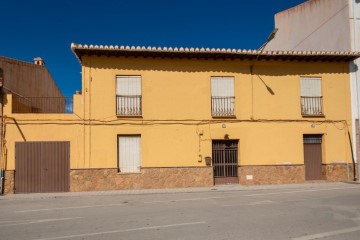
[178, 117]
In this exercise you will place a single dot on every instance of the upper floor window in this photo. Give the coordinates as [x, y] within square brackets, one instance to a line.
[222, 97]
[311, 96]
[128, 96]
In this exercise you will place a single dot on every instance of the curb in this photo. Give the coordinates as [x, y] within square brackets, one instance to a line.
[221, 188]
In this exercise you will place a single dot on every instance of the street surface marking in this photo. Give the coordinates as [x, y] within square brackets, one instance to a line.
[278, 201]
[300, 191]
[328, 234]
[39, 221]
[124, 230]
[64, 208]
[186, 199]
[262, 202]
[251, 203]
[2, 222]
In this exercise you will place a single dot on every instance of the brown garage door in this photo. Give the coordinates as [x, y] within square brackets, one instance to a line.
[313, 157]
[42, 167]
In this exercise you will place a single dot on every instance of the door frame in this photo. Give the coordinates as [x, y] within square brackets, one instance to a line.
[313, 156]
[225, 161]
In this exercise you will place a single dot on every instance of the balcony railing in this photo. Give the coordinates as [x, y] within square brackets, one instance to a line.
[42, 104]
[311, 106]
[128, 105]
[223, 106]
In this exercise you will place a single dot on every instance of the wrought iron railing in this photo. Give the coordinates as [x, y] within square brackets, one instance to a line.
[311, 106]
[222, 106]
[42, 104]
[128, 105]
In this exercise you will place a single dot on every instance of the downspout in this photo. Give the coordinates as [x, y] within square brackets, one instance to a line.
[352, 154]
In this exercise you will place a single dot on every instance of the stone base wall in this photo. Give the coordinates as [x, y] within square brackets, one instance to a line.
[338, 172]
[9, 185]
[149, 178]
[283, 174]
[182, 177]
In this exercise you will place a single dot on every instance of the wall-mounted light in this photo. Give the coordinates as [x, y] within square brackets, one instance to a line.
[226, 136]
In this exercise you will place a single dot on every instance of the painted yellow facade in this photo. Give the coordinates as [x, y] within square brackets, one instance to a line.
[176, 125]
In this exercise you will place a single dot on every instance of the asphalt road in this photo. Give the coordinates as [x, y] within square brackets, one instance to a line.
[329, 211]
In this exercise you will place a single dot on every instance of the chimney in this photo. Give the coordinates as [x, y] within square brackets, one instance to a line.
[39, 61]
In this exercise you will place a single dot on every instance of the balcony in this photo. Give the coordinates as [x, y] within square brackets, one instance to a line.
[128, 105]
[42, 104]
[312, 106]
[223, 106]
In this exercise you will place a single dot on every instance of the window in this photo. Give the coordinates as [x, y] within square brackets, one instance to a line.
[222, 97]
[129, 154]
[311, 97]
[128, 96]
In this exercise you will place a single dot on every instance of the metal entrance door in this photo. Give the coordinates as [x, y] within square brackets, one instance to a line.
[225, 161]
[42, 167]
[313, 157]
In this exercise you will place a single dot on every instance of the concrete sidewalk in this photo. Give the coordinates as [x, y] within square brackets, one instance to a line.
[221, 188]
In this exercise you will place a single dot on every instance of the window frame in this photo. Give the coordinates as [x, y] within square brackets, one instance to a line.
[118, 153]
[232, 99]
[317, 114]
[117, 112]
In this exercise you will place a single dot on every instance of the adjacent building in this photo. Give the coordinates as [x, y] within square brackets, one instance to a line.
[324, 25]
[30, 85]
[150, 117]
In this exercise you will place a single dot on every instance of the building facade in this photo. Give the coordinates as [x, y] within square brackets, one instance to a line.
[169, 117]
[324, 25]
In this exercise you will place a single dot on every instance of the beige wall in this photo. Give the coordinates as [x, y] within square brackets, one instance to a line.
[177, 128]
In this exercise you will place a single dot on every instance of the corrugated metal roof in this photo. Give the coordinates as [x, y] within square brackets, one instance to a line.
[81, 50]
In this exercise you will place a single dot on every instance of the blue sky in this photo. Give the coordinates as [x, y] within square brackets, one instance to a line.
[47, 28]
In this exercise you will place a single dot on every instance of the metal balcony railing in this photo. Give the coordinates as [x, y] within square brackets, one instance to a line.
[311, 106]
[223, 106]
[128, 105]
[42, 104]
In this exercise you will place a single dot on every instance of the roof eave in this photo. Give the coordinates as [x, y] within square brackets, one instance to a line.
[202, 53]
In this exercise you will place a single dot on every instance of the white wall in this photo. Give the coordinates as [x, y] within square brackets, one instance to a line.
[313, 25]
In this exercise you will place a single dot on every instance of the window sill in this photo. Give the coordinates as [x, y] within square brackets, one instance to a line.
[128, 173]
[313, 116]
[222, 117]
[129, 116]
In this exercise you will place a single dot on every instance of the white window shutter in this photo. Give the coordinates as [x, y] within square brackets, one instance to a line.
[310, 87]
[128, 85]
[222, 87]
[129, 154]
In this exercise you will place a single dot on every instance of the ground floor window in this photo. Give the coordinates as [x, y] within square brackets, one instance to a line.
[129, 155]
